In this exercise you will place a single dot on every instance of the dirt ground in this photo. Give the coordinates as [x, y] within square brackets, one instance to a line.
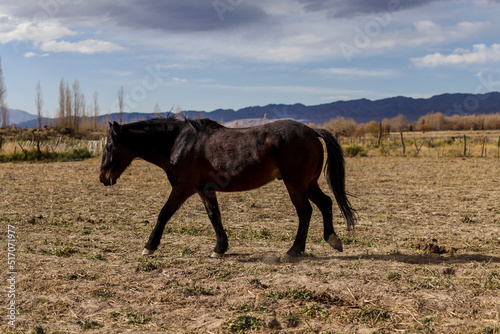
[425, 257]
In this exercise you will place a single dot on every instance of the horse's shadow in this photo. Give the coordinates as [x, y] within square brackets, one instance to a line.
[404, 258]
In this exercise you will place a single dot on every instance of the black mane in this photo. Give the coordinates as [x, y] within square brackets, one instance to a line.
[160, 124]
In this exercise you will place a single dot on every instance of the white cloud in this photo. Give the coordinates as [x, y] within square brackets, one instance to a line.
[88, 46]
[12, 31]
[179, 79]
[46, 36]
[356, 72]
[480, 54]
[29, 54]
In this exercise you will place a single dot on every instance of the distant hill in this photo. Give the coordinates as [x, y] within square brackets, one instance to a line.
[361, 110]
[17, 116]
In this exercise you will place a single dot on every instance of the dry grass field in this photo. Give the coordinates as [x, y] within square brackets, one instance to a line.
[425, 257]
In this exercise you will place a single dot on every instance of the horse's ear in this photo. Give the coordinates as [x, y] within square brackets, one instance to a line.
[115, 127]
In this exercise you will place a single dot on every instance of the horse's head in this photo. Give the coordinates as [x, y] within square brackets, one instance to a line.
[116, 156]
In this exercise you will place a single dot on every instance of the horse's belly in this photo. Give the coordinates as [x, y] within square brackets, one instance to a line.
[245, 179]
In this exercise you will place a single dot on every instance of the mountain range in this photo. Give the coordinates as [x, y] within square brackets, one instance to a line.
[361, 110]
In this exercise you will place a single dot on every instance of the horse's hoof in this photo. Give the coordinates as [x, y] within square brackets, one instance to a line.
[147, 252]
[292, 258]
[335, 242]
[216, 255]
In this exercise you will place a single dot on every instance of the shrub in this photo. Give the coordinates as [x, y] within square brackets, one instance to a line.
[355, 150]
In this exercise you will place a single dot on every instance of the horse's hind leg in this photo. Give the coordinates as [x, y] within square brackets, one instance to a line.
[212, 207]
[324, 203]
[299, 199]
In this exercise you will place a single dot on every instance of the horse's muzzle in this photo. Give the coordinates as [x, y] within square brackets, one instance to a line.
[107, 181]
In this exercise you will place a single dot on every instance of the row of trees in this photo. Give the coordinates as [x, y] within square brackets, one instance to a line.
[343, 127]
[3, 106]
[73, 110]
[439, 122]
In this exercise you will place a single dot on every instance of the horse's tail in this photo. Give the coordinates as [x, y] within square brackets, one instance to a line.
[335, 174]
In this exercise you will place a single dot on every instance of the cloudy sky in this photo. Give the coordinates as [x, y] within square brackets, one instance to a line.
[209, 54]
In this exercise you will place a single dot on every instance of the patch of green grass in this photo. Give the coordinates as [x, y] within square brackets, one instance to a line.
[66, 251]
[394, 276]
[315, 310]
[256, 282]
[39, 330]
[369, 314]
[198, 290]
[186, 251]
[244, 323]
[294, 294]
[88, 324]
[136, 319]
[147, 265]
[114, 314]
[97, 257]
[103, 294]
[74, 276]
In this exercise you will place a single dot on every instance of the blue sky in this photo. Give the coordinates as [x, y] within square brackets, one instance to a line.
[209, 54]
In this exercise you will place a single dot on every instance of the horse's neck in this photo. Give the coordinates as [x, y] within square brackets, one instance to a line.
[154, 147]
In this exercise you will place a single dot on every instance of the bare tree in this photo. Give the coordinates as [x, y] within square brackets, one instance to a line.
[5, 115]
[83, 111]
[3, 106]
[68, 101]
[77, 100]
[96, 110]
[39, 104]
[120, 102]
[62, 104]
[341, 127]
[399, 123]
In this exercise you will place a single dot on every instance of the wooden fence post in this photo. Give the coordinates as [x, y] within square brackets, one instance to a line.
[403, 143]
[465, 145]
[483, 152]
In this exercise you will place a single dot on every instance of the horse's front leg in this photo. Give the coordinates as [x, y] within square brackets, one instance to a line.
[210, 201]
[177, 197]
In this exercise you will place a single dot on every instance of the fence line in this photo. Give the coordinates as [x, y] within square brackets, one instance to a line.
[411, 144]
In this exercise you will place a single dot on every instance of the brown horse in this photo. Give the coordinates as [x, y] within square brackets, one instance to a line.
[203, 157]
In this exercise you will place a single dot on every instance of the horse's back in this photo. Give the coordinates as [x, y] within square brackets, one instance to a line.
[248, 158]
